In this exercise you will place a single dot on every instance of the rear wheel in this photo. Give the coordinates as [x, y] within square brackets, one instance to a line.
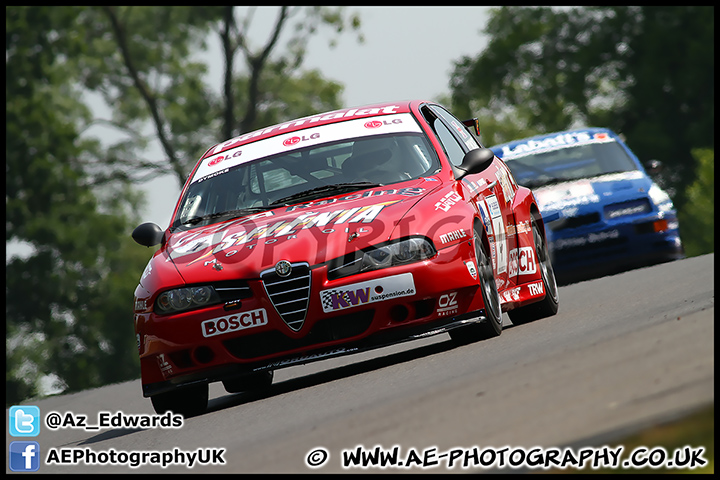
[492, 325]
[186, 401]
[548, 306]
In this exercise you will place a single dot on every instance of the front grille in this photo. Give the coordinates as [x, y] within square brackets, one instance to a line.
[578, 221]
[289, 295]
[634, 207]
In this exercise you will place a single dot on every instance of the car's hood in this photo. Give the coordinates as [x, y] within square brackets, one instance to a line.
[314, 232]
[601, 190]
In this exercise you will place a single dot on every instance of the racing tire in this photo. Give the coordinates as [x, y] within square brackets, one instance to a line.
[548, 306]
[249, 383]
[492, 325]
[186, 401]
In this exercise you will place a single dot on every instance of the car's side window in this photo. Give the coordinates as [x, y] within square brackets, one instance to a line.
[452, 148]
[450, 144]
[460, 131]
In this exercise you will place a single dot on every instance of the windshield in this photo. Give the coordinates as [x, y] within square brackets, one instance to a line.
[571, 163]
[305, 174]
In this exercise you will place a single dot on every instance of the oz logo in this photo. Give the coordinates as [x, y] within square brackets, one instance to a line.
[447, 304]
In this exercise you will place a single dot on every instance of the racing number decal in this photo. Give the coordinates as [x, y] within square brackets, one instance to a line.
[499, 244]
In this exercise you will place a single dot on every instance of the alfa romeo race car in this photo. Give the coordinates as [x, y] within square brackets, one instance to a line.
[328, 235]
[604, 213]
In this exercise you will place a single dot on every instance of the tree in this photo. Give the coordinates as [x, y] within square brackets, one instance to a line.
[69, 196]
[144, 63]
[633, 69]
[697, 218]
[68, 313]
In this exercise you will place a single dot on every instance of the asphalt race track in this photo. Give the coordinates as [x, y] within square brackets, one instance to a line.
[623, 353]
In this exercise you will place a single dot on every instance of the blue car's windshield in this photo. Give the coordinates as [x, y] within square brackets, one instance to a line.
[570, 163]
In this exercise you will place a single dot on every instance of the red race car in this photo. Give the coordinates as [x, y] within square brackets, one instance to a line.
[328, 235]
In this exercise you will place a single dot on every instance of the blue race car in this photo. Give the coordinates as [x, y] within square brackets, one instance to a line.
[604, 214]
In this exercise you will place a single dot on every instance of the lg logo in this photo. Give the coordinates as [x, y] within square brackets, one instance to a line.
[378, 123]
[289, 142]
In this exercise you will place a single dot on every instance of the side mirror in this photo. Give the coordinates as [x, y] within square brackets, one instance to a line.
[475, 161]
[148, 234]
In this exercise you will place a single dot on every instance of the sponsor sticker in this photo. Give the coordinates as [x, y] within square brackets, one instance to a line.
[527, 263]
[447, 304]
[234, 322]
[364, 293]
[228, 154]
[555, 142]
[471, 269]
[498, 247]
[447, 201]
[452, 236]
[536, 288]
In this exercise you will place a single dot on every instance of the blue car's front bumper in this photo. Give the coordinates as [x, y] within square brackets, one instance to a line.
[580, 252]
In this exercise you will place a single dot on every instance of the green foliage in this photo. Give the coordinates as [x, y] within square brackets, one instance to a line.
[636, 70]
[697, 216]
[150, 64]
[67, 308]
[69, 196]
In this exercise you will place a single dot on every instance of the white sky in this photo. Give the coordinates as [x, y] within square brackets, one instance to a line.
[408, 53]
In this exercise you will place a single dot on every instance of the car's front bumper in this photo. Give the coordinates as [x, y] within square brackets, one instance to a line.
[178, 350]
[607, 248]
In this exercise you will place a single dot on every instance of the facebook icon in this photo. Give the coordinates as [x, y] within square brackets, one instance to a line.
[24, 456]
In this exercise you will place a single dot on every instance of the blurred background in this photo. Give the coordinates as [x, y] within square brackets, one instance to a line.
[109, 108]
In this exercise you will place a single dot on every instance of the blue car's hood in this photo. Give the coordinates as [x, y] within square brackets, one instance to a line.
[595, 191]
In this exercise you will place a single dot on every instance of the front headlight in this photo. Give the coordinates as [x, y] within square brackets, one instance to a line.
[399, 252]
[186, 298]
[660, 198]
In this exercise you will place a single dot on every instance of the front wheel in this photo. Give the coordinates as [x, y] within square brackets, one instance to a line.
[254, 382]
[492, 325]
[548, 306]
[186, 401]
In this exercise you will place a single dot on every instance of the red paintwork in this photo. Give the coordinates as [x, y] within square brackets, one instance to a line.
[438, 207]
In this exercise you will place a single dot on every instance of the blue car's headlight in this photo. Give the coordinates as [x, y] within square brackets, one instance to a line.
[660, 198]
[399, 252]
[186, 298]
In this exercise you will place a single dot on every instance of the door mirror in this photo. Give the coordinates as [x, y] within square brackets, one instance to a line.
[148, 234]
[475, 161]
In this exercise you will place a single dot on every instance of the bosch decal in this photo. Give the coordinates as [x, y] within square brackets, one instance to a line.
[233, 323]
